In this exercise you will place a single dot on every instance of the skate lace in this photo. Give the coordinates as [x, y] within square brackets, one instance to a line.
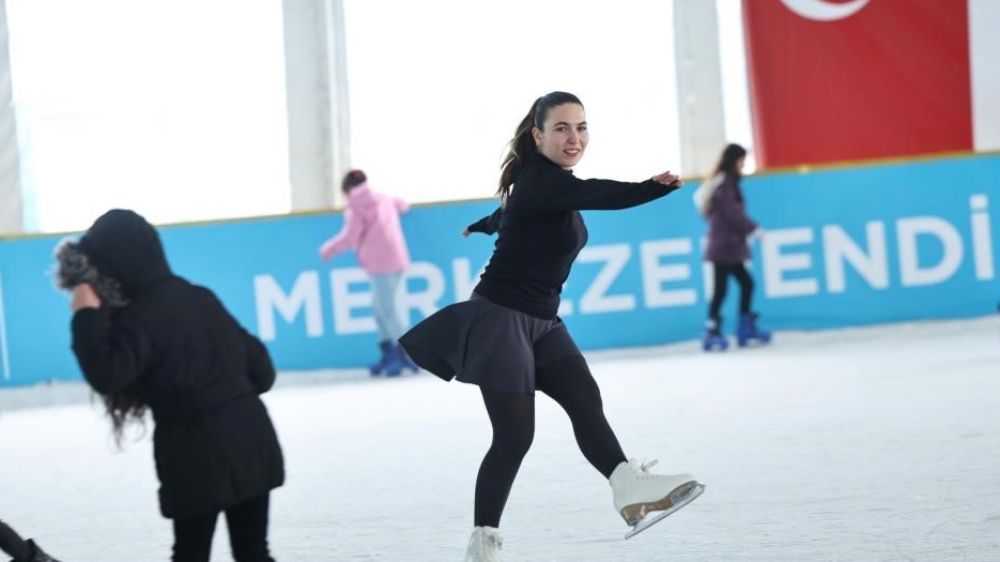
[642, 466]
[494, 542]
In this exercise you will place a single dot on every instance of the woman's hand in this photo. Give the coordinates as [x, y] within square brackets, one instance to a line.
[466, 233]
[84, 297]
[669, 179]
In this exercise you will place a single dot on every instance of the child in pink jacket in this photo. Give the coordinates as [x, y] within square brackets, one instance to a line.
[372, 229]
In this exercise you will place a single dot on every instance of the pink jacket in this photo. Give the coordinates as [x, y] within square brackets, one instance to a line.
[371, 226]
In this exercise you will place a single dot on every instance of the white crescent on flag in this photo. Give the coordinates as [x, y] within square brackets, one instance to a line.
[821, 10]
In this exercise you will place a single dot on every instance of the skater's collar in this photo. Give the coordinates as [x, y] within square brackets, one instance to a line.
[536, 158]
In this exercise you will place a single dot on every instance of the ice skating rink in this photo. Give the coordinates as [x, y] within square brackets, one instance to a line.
[872, 444]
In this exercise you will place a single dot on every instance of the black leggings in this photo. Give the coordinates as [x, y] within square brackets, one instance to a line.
[12, 543]
[568, 381]
[247, 523]
[722, 273]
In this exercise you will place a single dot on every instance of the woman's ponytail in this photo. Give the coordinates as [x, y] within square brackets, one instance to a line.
[518, 150]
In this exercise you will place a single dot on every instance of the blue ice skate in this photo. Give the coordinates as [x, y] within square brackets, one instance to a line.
[393, 364]
[378, 367]
[747, 332]
[713, 338]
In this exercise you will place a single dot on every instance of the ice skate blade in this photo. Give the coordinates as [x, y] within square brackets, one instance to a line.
[677, 499]
[754, 342]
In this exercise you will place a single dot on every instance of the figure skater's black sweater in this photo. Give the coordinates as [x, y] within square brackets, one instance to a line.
[540, 232]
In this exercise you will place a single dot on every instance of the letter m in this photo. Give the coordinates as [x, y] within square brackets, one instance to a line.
[304, 294]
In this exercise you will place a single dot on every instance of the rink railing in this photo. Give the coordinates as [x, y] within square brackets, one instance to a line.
[842, 247]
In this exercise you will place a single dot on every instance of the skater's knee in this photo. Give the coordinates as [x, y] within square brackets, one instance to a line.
[590, 394]
[514, 442]
[585, 401]
[575, 389]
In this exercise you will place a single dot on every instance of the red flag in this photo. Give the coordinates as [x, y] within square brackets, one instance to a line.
[844, 80]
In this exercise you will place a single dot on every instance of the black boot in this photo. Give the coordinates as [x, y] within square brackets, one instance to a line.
[37, 554]
[13, 544]
[22, 550]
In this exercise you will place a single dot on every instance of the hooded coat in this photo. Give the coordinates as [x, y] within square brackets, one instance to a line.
[371, 227]
[200, 373]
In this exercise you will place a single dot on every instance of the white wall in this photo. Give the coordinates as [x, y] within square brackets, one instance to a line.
[317, 103]
[11, 207]
[245, 115]
[176, 109]
[984, 16]
[437, 87]
[699, 84]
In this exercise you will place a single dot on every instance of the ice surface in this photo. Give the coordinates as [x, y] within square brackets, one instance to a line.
[866, 444]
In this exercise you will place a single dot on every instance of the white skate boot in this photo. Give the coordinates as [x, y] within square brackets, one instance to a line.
[643, 499]
[484, 545]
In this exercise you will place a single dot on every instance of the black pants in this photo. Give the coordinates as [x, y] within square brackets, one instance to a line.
[247, 524]
[12, 543]
[568, 381]
[722, 273]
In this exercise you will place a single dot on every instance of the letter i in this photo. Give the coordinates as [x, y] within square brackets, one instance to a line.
[982, 241]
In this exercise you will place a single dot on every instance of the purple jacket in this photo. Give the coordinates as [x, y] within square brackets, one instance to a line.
[728, 225]
[371, 227]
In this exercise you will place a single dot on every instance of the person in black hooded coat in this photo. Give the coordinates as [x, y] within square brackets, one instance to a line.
[169, 346]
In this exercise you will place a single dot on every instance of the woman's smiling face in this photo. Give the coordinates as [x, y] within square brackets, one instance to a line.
[564, 135]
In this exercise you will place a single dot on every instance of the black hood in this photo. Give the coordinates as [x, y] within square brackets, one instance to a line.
[124, 246]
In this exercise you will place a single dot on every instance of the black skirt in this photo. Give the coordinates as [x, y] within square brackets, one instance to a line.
[482, 343]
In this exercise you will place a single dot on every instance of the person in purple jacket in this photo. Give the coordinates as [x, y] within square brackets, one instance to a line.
[721, 202]
[372, 229]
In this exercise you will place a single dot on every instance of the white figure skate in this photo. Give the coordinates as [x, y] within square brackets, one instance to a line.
[643, 499]
[484, 545]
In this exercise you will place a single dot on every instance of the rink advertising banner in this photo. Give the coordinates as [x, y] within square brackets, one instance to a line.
[842, 247]
[835, 80]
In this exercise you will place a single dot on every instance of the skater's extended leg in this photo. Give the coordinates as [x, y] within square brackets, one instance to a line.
[562, 373]
[513, 419]
[568, 381]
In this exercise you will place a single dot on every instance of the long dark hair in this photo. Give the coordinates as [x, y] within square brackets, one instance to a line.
[123, 407]
[523, 144]
[727, 162]
[73, 267]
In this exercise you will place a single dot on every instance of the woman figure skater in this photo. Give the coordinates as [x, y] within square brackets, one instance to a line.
[508, 339]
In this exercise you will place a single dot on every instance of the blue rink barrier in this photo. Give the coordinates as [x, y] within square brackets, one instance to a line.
[842, 247]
